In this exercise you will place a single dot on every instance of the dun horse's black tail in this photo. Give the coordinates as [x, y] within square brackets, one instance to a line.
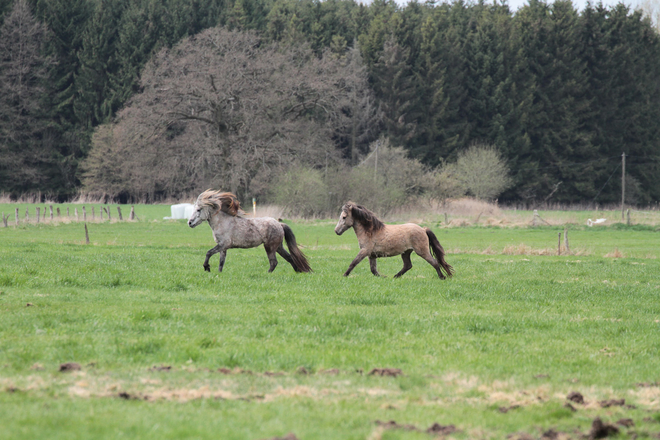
[300, 263]
[438, 252]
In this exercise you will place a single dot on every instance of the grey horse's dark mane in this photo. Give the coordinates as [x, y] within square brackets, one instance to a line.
[366, 218]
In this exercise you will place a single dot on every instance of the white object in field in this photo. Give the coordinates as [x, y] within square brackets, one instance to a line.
[595, 222]
[181, 211]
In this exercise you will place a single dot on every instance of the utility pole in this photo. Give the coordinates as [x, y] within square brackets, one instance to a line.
[623, 183]
[376, 163]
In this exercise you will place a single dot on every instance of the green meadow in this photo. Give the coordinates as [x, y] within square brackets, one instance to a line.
[168, 351]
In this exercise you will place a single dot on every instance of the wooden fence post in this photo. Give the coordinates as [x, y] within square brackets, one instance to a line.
[446, 219]
[84, 213]
[535, 219]
[568, 250]
[86, 235]
[76, 212]
[132, 214]
[559, 244]
[67, 212]
[51, 212]
[119, 211]
[44, 214]
[628, 215]
[93, 215]
[38, 214]
[59, 214]
[4, 220]
[107, 211]
[16, 214]
[27, 215]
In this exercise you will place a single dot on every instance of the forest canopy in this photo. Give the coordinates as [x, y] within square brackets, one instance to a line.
[559, 94]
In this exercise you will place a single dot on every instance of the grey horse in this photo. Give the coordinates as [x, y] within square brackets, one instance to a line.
[231, 230]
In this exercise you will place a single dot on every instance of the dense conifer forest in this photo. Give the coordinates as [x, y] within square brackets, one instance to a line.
[559, 93]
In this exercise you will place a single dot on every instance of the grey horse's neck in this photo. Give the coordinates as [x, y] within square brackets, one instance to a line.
[221, 220]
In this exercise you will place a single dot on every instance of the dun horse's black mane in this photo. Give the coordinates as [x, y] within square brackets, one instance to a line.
[366, 218]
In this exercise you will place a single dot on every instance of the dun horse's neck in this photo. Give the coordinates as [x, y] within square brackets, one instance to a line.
[360, 232]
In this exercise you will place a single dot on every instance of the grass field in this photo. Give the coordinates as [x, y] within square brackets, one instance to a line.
[168, 351]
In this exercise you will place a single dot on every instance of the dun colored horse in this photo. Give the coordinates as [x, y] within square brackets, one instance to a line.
[377, 240]
[230, 230]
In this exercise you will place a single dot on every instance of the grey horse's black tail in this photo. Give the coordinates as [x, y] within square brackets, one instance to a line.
[299, 261]
[438, 252]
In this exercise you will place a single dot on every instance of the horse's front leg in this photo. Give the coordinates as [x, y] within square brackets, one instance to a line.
[209, 254]
[372, 265]
[360, 256]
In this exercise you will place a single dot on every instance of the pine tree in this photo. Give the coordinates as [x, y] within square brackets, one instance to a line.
[98, 61]
[25, 153]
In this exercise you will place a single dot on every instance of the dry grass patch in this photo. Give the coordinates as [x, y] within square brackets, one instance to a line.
[614, 254]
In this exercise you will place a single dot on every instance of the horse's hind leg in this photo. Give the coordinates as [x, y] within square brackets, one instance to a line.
[425, 254]
[271, 251]
[407, 264]
[287, 257]
[372, 265]
[223, 256]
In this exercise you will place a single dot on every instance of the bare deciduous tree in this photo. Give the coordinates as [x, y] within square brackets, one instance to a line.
[482, 172]
[221, 109]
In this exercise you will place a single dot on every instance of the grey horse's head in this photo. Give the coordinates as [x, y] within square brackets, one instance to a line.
[345, 219]
[211, 202]
[201, 212]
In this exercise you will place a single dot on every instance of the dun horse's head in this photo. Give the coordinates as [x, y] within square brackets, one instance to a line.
[212, 202]
[345, 219]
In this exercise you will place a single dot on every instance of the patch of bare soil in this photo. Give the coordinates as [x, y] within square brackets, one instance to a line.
[394, 425]
[289, 436]
[550, 434]
[303, 371]
[332, 371]
[435, 428]
[273, 373]
[626, 422]
[393, 372]
[70, 366]
[575, 397]
[130, 396]
[601, 430]
[520, 436]
[647, 384]
[506, 409]
[234, 371]
[569, 406]
[161, 368]
[612, 402]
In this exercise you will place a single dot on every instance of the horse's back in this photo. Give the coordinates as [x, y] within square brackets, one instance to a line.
[397, 239]
[251, 232]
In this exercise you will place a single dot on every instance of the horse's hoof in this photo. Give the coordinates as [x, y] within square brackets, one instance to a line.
[207, 268]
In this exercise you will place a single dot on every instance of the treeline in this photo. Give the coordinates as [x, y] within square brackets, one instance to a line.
[558, 92]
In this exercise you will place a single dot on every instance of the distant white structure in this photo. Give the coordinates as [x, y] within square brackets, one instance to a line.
[181, 211]
[595, 222]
